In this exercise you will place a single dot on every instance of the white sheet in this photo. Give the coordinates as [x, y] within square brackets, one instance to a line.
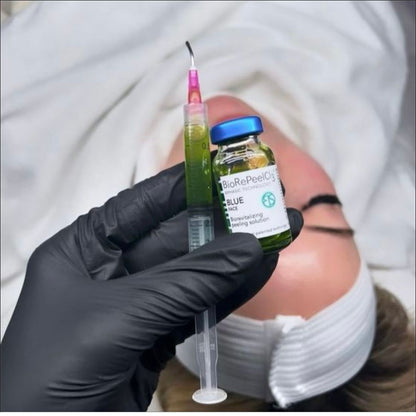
[92, 97]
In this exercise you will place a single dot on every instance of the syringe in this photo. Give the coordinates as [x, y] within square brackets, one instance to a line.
[200, 228]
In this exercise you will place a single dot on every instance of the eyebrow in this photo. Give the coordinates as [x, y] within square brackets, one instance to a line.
[331, 200]
[322, 199]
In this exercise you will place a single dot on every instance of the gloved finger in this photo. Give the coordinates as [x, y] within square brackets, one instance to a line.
[164, 349]
[170, 239]
[104, 231]
[255, 280]
[156, 358]
[168, 296]
[295, 222]
[166, 242]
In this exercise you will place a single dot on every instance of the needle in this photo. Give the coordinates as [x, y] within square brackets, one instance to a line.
[191, 53]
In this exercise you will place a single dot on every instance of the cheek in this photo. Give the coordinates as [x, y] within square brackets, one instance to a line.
[313, 272]
[288, 291]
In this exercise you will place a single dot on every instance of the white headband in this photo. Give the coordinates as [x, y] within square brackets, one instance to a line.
[289, 359]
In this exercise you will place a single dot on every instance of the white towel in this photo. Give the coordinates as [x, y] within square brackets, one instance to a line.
[92, 96]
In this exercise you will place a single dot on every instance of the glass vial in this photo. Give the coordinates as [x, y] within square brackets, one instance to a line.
[248, 183]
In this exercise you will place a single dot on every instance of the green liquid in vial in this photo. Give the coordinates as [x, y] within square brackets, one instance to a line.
[241, 159]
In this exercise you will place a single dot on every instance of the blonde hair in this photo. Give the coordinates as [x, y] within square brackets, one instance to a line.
[385, 383]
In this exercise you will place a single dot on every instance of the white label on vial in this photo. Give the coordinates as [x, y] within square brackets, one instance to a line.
[253, 202]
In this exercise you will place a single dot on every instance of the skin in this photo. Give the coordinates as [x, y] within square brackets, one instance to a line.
[317, 268]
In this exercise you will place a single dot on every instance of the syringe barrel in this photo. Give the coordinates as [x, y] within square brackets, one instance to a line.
[200, 227]
[206, 348]
[197, 157]
[201, 231]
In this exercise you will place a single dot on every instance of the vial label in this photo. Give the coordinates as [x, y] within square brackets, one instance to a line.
[253, 202]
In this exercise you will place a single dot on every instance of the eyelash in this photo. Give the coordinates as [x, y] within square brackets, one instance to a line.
[337, 231]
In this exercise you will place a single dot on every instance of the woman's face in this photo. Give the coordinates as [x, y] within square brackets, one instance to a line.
[320, 265]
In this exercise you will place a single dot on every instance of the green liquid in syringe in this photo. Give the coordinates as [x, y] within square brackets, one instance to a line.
[197, 166]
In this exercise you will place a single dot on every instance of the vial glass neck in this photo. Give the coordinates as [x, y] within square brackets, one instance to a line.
[239, 142]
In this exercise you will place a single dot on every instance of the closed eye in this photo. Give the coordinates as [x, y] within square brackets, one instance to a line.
[348, 232]
[331, 200]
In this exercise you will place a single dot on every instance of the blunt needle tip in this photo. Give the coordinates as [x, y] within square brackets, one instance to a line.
[191, 53]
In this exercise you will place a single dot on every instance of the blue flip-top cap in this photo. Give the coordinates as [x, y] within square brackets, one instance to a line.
[237, 127]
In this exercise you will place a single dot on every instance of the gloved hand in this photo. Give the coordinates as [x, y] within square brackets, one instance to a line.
[106, 300]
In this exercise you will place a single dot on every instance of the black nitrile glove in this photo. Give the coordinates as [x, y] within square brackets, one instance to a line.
[106, 300]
